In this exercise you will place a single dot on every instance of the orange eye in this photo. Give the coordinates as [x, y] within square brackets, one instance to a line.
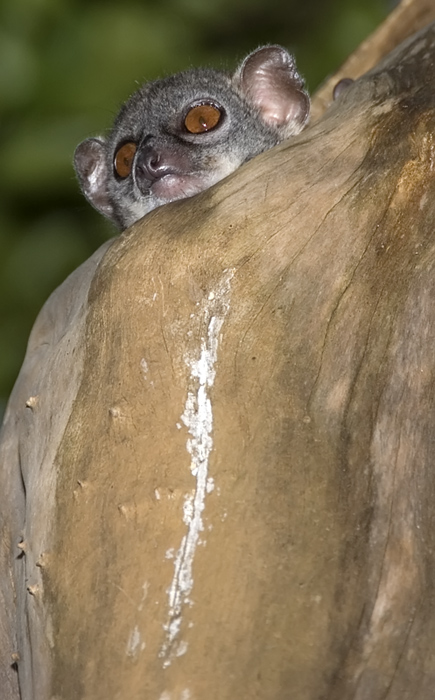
[202, 118]
[124, 159]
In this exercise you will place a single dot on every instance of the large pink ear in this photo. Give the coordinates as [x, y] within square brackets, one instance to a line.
[268, 79]
[91, 169]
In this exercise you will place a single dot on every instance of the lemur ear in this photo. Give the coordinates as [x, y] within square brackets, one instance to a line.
[91, 168]
[269, 81]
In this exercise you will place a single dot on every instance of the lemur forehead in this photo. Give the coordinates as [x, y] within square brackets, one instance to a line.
[179, 89]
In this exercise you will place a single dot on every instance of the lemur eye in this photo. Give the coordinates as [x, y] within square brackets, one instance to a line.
[124, 156]
[202, 118]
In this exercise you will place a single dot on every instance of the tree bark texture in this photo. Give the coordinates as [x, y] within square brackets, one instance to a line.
[219, 455]
[406, 19]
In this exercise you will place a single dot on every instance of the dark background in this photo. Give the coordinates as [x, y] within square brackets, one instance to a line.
[66, 66]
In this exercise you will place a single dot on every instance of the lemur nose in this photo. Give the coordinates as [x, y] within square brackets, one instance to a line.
[150, 164]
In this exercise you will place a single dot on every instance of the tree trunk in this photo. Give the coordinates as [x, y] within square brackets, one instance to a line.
[219, 452]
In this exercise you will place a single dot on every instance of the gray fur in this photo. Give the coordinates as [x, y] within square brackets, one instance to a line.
[262, 103]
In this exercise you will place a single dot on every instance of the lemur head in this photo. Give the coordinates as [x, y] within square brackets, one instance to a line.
[178, 136]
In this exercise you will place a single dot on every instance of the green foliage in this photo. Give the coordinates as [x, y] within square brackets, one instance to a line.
[65, 67]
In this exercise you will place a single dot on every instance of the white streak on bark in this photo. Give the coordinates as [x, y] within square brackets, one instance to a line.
[134, 644]
[198, 418]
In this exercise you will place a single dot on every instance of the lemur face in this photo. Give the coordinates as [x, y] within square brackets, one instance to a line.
[178, 136]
